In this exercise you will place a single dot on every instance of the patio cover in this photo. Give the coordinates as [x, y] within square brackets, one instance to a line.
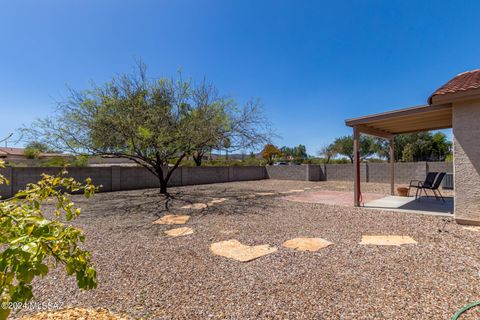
[414, 119]
[389, 124]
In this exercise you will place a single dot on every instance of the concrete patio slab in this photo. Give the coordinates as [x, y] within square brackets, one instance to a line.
[307, 244]
[179, 232]
[172, 219]
[234, 249]
[340, 198]
[422, 205]
[387, 240]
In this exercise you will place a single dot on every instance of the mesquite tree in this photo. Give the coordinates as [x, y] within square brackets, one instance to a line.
[153, 122]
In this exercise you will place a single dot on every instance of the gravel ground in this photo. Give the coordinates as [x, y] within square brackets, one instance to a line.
[146, 274]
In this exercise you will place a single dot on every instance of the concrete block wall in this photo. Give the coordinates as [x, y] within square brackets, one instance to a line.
[466, 148]
[404, 172]
[440, 167]
[287, 172]
[315, 172]
[343, 172]
[117, 178]
[6, 189]
[247, 173]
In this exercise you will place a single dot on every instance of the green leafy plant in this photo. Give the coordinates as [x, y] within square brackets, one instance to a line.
[31, 244]
[54, 162]
[31, 153]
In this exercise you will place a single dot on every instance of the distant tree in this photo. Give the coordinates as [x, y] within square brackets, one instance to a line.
[298, 153]
[407, 154]
[344, 146]
[40, 146]
[155, 123]
[31, 153]
[270, 152]
[327, 152]
[226, 144]
[441, 146]
[421, 146]
[214, 131]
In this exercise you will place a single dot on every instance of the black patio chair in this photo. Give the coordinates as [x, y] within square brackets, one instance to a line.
[436, 192]
[429, 181]
[435, 188]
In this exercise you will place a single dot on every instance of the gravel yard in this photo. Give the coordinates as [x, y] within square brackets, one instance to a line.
[146, 274]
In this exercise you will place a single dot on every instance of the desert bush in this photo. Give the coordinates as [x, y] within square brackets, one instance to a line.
[31, 153]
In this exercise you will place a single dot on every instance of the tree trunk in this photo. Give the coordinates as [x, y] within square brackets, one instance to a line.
[163, 187]
[198, 159]
[161, 180]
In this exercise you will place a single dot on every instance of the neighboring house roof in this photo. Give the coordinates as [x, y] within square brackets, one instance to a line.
[11, 151]
[461, 83]
[19, 152]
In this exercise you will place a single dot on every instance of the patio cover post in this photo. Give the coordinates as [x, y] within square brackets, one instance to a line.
[392, 166]
[356, 166]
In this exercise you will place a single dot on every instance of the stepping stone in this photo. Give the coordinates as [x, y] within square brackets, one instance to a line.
[265, 193]
[293, 191]
[235, 250]
[217, 201]
[179, 232]
[172, 219]
[228, 231]
[387, 240]
[472, 228]
[196, 206]
[307, 244]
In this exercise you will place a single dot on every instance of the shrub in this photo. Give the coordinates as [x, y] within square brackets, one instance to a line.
[31, 244]
[54, 162]
[31, 153]
[80, 161]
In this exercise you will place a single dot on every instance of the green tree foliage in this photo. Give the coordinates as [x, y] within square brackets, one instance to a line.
[150, 121]
[298, 153]
[31, 244]
[31, 153]
[270, 152]
[327, 152]
[344, 146]
[422, 146]
[40, 146]
[407, 155]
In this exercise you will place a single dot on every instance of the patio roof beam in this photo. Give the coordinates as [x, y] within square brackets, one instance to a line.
[374, 132]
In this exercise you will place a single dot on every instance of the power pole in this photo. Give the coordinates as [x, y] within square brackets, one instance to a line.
[6, 139]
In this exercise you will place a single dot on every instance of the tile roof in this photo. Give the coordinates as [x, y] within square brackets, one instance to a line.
[462, 82]
[7, 151]
[11, 151]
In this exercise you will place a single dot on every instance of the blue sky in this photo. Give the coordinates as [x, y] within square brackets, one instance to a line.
[313, 63]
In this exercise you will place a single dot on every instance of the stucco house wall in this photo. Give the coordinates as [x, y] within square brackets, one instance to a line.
[466, 145]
